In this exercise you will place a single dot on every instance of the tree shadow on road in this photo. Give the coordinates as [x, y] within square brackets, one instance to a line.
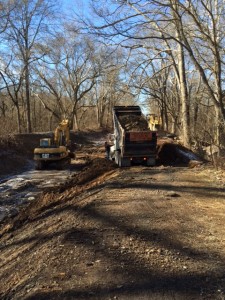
[137, 279]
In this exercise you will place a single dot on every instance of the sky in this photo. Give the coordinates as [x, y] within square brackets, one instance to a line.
[80, 5]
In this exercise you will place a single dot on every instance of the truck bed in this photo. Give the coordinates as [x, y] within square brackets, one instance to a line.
[133, 122]
[134, 141]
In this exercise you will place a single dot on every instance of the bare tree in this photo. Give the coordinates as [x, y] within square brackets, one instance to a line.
[192, 30]
[74, 59]
[6, 7]
[111, 87]
[204, 44]
[13, 79]
[27, 24]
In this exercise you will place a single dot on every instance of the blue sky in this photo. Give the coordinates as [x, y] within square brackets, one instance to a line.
[80, 5]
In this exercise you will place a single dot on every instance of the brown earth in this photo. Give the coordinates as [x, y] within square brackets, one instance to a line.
[133, 122]
[110, 233]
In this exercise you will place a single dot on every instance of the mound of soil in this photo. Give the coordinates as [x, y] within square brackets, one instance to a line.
[133, 122]
[11, 161]
[94, 169]
[171, 153]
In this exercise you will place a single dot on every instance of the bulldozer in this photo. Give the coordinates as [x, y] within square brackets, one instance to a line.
[55, 151]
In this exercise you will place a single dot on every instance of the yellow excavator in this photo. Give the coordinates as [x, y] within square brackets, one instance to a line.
[154, 122]
[55, 151]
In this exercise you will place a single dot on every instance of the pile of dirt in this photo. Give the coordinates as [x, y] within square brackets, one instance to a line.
[11, 161]
[12, 155]
[94, 169]
[172, 153]
[16, 152]
[133, 122]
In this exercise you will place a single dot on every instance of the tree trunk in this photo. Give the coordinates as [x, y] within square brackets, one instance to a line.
[184, 98]
[164, 115]
[27, 91]
[101, 117]
[18, 119]
[219, 127]
[185, 117]
[75, 122]
[195, 118]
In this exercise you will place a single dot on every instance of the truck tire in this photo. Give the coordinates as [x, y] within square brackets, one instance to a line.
[117, 154]
[151, 162]
[126, 162]
[112, 155]
[123, 162]
[120, 164]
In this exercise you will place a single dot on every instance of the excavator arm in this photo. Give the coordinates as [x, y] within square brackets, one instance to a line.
[62, 134]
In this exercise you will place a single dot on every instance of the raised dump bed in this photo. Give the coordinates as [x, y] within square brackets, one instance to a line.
[132, 141]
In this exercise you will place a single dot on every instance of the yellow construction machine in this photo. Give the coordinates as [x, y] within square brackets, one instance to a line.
[154, 122]
[55, 151]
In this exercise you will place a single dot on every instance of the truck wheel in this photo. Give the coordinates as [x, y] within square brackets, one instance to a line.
[112, 155]
[117, 155]
[151, 162]
[118, 159]
[123, 162]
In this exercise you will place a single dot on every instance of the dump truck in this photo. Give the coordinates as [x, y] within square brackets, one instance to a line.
[56, 150]
[132, 140]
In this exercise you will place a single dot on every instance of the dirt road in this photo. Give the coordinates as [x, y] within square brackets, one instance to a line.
[136, 233]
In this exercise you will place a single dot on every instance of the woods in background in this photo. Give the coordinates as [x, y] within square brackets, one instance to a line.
[166, 55]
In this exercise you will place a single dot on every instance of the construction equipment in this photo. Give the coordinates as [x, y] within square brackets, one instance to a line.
[154, 121]
[55, 151]
[132, 140]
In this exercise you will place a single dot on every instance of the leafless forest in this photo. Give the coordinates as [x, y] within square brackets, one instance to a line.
[167, 55]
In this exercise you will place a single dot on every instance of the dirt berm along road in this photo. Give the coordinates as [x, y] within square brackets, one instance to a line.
[109, 233]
